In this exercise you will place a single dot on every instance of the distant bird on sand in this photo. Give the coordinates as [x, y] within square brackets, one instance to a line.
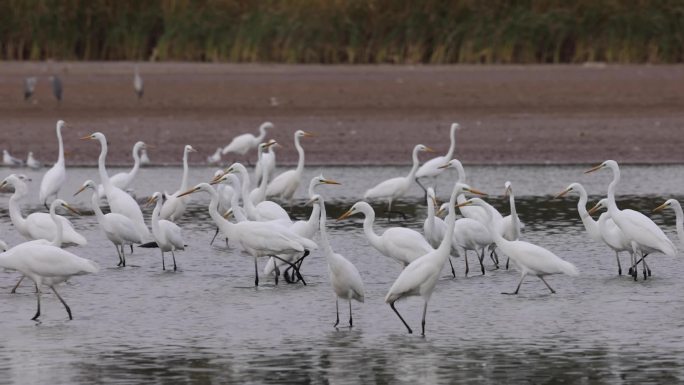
[32, 162]
[56, 87]
[138, 84]
[29, 86]
[9, 160]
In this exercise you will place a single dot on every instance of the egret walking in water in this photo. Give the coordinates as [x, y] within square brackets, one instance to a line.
[241, 144]
[37, 225]
[118, 228]
[603, 231]
[46, 264]
[344, 276]
[432, 168]
[529, 258]
[420, 276]
[646, 237]
[54, 178]
[166, 233]
[285, 185]
[394, 188]
[174, 207]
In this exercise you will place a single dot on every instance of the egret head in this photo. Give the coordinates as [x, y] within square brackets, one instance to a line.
[200, 187]
[603, 203]
[60, 203]
[508, 188]
[422, 148]
[607, 164]
[302, 133]
[96, 136]
[571, 187]
[157, 196]
[358, 207]
[87, 184]
[668, 203]
[317, 198]
[320, 179]
[266, 126]
[188, 149]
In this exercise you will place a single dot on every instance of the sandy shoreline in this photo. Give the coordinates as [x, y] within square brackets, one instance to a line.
[361, 114]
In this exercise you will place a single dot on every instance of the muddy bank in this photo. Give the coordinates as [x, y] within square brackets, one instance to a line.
[361, 114]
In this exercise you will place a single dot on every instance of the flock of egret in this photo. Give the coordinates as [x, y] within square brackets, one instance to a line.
[264, 230]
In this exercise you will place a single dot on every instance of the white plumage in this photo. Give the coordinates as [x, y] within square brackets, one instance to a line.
[241, 144]
[54, 178]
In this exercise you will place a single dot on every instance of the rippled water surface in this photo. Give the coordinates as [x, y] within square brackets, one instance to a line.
[208, 323]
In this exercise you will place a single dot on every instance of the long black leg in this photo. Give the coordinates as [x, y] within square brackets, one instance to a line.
[276, 271]
[131, 245]
[424, 189]
[482, 261]
[337, 311]
[453, 272]
[508, 260]
[401, 318]
[465, 256]
[518, 288]
[215, 234]
[163, 264]
[256, 273]
[63, 302]
[14, 289]
[118, 254]
[617, 257]
[547, 285]
[293, 266]
[351, 322]
[174, 260]
[123, 254]
[423, 321]
[35, 317]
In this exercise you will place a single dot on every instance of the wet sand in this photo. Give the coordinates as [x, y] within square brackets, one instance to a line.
[361, 114]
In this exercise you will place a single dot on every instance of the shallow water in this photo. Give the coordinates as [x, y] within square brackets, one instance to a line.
[208, 323]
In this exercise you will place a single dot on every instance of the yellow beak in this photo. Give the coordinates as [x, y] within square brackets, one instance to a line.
[660, 208]
[594, 209]
[73, 210]
[595, 168]
[562, 193]
[345, 215]
[80, 190]
[188, 192]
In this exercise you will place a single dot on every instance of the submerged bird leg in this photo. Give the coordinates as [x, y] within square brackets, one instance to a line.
[351, 323]
[453, 272]
[482, 261]
[123, 254]
[517, 289]
[118, 254]
[63, 302]
[337, 310]
[174, 260]
[215, 234]
[14, 289]
[276, 272]
[256, 273]
[35, 317]
[617, 257]
[422, 323]
[163, 264]
[547, 285]
[465, 257]
[131, 245]
[644, 267]
[647, 267]
[401, 318]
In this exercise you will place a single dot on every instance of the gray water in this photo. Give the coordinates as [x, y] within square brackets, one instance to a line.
[208, 323]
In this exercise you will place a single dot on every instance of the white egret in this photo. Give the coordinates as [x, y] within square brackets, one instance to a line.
[344, 276]
[118, 228]
[241, 144]
[138, 84]
[10, 161]
[258, 195]
[46, 264]
[529, 258]
[285, 185]
[394, 188]
[54, 178]
[123, 180]
[32, 162]
[469, 234]
[119, 201]
[225, 195]
[264, 211]
[174, 207]
[37, 225]
[646, 237]
[511, 223]
[432, 168]
[166, 233]
[420, 276]
[267, 162]
[259, 239]
[215, 158]
[434, 228]
[679, 216]
[613, 236]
